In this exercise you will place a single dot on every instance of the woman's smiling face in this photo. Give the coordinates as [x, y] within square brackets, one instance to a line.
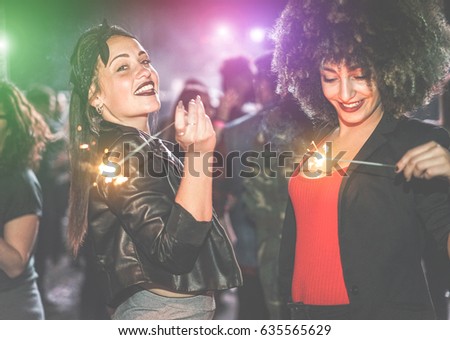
[129, 85]
[350, 92]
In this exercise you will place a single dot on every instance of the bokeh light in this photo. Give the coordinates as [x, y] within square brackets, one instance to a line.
[185, 39]
[224, 32]
[257, 34]
[4, 45]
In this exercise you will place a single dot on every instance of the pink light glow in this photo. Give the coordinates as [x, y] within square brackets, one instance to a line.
[257, 34]
[224, 32]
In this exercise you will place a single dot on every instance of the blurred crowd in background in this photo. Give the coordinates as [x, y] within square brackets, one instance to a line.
[221, 52]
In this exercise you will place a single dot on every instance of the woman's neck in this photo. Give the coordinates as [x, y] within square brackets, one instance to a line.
[364, 128]
[140, 123]
[349, 140]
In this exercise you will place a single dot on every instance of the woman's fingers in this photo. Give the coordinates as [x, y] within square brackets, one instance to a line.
[419, 160]
[186, 121]
[180, 120]
[201, 117]
[193, 127]
[192, 117]
[425, 161]
[435, 167]
[421, 149]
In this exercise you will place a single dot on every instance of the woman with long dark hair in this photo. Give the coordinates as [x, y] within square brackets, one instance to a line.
[160, 251]
[23, 134]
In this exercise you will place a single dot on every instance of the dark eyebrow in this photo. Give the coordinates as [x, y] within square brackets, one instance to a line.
[350, 69]
[125, 55]
[324, 68]
[355, 68]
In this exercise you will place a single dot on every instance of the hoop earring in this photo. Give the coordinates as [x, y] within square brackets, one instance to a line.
[99, 109]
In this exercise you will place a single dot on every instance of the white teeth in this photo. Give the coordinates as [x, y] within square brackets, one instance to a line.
[352, 105]
[146, 88]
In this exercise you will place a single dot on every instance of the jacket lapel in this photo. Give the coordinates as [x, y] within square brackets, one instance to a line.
[378, 138]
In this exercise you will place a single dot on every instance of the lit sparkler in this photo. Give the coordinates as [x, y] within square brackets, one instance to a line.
[318, 161]
[109, 171]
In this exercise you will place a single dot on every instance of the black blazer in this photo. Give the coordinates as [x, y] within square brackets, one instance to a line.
[382, 224]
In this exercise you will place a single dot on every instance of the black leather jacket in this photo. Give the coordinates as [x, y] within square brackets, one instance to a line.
[141, 238]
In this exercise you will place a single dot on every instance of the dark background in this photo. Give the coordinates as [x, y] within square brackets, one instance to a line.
[181, 35]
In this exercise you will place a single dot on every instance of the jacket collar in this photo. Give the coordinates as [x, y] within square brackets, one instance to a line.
[379, 136]
[111, 132]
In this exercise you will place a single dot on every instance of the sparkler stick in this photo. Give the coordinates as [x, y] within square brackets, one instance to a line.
[354, 160]
[117, 180]
[104, 169]
[315, 146]
[367, 163]
[161, 131]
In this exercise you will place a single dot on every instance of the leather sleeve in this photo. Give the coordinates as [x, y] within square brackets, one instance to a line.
[166, 233]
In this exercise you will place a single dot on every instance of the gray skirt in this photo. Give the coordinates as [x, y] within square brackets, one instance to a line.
[21, 303]
[145, 305]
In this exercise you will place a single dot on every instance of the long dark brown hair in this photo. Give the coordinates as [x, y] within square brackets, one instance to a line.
[26, 130]
[84, 121]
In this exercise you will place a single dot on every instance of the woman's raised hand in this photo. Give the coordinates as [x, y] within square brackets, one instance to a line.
[425, 161]
[193, 128]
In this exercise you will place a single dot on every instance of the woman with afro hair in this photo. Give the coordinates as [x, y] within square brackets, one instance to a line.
[375, 182]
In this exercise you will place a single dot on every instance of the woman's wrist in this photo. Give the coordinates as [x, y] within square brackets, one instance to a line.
[199, 164]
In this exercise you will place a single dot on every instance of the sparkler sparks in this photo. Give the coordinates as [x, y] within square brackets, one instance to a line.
[109, 171]
[318, 161]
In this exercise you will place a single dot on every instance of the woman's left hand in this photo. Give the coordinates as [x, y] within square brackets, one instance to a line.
[425, 161]
[193, 128]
